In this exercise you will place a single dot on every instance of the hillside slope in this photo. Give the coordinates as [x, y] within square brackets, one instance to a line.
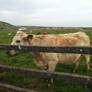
[6, 26]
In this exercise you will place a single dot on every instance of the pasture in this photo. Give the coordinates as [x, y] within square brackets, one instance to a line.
[25, 60]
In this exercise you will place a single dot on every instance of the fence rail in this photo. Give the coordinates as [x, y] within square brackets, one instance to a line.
[74, 78]
[50, 49]
[10, 88]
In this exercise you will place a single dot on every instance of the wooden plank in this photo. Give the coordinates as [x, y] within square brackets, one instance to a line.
[49, 49]
[74, 78]
[10, 88]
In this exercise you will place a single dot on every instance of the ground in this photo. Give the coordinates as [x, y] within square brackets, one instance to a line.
[25, 60]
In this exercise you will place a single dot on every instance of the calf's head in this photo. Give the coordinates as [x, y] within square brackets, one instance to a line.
[21, 38]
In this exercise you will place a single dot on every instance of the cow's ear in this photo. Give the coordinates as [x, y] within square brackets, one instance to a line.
[29, 36]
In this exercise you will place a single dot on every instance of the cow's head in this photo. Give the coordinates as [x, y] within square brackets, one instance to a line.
[21, 38]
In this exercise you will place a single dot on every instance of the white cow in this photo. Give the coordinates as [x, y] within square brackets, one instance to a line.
[49, 60]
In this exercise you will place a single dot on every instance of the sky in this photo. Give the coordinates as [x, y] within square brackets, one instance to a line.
[56, 13]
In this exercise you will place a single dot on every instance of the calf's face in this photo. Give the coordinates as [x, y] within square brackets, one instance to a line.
[20, 38]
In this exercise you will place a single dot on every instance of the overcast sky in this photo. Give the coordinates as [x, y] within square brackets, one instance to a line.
[66, 13]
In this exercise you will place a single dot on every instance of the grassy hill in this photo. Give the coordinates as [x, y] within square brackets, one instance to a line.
[7, 26]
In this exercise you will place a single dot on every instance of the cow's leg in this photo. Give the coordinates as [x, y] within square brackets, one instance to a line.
[76, 65]
[87, 58]
[42, 64]
[44, 67]
[51, 67]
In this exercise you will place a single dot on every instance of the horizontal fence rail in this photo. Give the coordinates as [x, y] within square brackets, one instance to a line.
[74, 78]
[50, 49]
[10, 88]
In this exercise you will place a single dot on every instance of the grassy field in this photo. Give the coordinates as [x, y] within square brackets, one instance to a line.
[25, 60]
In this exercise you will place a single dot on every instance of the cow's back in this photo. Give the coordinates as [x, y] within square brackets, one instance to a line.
[71, 39]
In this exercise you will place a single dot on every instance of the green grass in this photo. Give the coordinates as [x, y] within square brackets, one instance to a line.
[25, 60]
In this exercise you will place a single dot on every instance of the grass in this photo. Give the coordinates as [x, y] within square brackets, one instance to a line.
[25, 60]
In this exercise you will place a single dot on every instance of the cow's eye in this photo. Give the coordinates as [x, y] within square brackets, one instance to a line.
[17, 41]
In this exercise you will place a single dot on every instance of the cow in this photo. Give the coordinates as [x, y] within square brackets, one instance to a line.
[48, 61]
[45, 33]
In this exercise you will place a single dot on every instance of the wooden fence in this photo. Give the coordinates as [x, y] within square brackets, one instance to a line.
[50, 49]
[74, 78]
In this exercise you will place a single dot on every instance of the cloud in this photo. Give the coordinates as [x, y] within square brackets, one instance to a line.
[47, 12]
